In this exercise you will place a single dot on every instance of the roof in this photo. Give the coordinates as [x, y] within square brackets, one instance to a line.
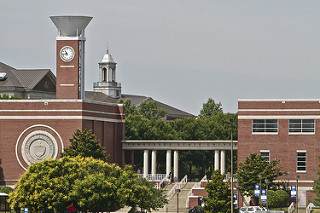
[107, 58]
[11, 80]
[23, 78]
[99, 96]
[170, 111]
[30, 78]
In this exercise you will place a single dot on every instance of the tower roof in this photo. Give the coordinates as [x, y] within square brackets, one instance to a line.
[107, 58]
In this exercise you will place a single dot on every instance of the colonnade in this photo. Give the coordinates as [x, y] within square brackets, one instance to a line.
[219, 162]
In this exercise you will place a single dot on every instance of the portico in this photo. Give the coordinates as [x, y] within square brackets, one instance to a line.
[219, 147]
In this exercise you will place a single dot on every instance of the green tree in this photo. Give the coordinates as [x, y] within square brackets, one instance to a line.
[87, 183]
[146, 196]
[219, 199]
[316, 188]
[275, 198]
[210, 108]
[251, 168]
[150, 110]
[85, 144]
[6, 189]
[129, 108]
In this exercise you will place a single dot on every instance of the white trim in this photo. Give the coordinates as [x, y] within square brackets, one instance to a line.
[278, 116]
[62, 66]
[301, 133]
[66, 85]
[280, 100]
[70, 38]
[62, 118]
[301, 150]
[278, 110]
[63, 101]
[63, 110]
[264, 151]
[265, 133]
[36, 125]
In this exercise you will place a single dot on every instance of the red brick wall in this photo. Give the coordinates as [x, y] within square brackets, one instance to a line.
[18, 117]
[199, 192]
[68, 75]
[283, 145]
[194, 201]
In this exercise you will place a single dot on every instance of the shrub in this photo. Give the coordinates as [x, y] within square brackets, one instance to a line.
[6, 189]
[275, 198]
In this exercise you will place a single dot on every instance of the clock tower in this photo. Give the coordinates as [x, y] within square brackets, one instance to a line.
[70, 55]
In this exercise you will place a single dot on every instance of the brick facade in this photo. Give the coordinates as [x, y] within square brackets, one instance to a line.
[60, 119]
[281, 144]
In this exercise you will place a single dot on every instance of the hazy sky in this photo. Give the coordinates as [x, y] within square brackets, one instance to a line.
[180, 52]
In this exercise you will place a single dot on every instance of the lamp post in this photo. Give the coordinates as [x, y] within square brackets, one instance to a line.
[297, 200]
[260, 178]
[267, 181]
[230, 120]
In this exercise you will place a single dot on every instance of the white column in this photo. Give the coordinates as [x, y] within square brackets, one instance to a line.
[145, 163]
[168, 162]
[153, 163]
[176, 165]
[223, 162]
[216, 159]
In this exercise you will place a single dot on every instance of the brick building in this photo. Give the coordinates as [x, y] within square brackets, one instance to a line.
[31, 130]
[284, 129]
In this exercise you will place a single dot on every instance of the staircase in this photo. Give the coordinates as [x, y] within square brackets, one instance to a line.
[172, 203]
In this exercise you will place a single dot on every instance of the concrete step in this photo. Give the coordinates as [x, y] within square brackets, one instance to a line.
[172, 204]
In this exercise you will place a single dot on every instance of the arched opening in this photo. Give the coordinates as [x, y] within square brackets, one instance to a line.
[104, 74]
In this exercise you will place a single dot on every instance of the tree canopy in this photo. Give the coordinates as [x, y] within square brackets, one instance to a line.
[219, 195]
[208, 126]
[84, 143]
[251, 168]
[316, 188]
[87, 183]
[210, 108]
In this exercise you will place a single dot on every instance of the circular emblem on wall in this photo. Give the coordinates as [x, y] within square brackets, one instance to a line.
[36, 143]
[37, 146]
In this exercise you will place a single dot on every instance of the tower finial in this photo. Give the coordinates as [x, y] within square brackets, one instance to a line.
[107, 48]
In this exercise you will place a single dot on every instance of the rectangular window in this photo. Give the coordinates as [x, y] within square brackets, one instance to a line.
[301, 125]
[265, 155]
[301, 161]
[264, 125]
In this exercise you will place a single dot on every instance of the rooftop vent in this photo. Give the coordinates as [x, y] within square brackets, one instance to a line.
[3, 76]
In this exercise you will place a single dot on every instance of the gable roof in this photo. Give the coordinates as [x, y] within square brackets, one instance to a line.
[171, 112]
[24, 78]
[11, 79]
[30, 78]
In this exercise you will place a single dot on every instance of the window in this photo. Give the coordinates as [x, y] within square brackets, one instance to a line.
[301, 161]
[264, 125]
[265, 155]
[301, 125]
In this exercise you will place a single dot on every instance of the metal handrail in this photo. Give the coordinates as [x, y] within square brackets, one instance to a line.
[291, 208]
[309, 208]
[173, 191]
[162, 183]
[183, 181]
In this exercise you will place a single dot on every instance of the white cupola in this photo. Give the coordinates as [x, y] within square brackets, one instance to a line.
[107, 77]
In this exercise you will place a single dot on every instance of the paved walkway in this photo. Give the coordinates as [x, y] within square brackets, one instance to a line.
[172, 204]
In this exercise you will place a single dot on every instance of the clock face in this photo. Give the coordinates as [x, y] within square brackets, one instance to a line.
[67, 53]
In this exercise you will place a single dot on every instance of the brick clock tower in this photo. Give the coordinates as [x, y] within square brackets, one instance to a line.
[70, 55]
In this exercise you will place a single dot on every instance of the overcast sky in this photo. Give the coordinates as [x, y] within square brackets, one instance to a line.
[180, 52]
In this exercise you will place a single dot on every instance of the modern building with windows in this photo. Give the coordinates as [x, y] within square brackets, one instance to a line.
[288, 130]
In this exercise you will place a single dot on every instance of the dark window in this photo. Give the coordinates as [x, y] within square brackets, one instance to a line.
[301, 125]
[301, 161]
[264, 125]
[266, 156]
